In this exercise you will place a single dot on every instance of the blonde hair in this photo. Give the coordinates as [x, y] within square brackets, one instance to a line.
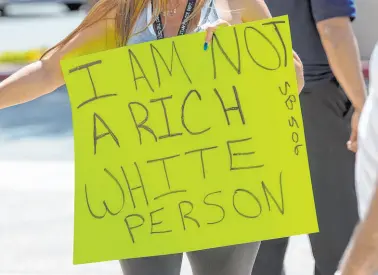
[126, 13]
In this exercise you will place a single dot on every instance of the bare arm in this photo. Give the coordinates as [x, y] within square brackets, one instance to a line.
[255, 10]
[363, 256]
[30, 82]
[43, 77]
[343, 54]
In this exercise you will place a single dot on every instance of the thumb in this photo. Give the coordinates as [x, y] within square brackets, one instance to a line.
[353, 136]
[352, 143]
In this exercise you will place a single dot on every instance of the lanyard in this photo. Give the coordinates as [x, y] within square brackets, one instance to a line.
[184, 23]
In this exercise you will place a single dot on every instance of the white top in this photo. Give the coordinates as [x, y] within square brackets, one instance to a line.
[367, 154]
[142, 34]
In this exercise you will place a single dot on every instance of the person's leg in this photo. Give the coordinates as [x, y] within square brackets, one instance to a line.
[229, 260]
[166, 264]
[270, 259]
[326, 114]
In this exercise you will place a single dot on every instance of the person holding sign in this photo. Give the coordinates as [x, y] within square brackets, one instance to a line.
[331, 102]
[159, 19]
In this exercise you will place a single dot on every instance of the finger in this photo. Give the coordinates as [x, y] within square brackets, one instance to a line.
[352, 143]
[352, 146]
[353, 136]
[296, 57]
[209, 34]
[211, 28]
[299, 75]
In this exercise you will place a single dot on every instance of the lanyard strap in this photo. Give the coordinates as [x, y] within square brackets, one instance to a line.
[184, 23]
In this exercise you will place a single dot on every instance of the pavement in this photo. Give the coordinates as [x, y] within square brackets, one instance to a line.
[37, 169]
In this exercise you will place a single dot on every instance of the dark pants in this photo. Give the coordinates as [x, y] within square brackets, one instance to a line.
[229, 260]
[326, 114]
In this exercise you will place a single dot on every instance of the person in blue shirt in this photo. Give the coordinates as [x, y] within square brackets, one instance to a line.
[332, 99]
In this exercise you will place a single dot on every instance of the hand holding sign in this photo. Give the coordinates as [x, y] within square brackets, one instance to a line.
[179, 149]
[211, 28]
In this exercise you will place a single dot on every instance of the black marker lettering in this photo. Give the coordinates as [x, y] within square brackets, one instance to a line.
[186, 215]
[290, 102]
[293, 122]
[269, 42]
[238, 191]
[162, 100]
[97, 136]
[96, 216]
[232, 167]
[291, 99]
[141, 186]
[287, 86]
[87, 66]
[169, 193]
[141, 124]
[157, 223]
[296, 149]
[107, 209]
[201, 157]
[133, 59]
[183, 114]
[236, 108]
[130, 228]
[295, 137]
[275, 23]
[215, 205]
[215, 41]
[164, 166]
[155, 52]
[281, 207]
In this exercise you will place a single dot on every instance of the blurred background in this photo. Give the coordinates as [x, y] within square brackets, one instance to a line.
[36, 147]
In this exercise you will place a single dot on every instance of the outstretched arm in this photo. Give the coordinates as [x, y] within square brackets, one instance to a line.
[44, 76]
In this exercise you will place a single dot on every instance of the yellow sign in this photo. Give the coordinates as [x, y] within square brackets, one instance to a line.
[179, 149]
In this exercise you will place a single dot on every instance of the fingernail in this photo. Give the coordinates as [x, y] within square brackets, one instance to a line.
[205, 46]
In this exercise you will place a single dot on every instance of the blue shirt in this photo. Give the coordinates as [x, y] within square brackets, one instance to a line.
[303, 16]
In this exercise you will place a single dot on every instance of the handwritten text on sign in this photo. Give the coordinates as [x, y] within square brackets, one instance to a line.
[179, 149]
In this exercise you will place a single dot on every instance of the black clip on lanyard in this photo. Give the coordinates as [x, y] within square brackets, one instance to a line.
[184, 23]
